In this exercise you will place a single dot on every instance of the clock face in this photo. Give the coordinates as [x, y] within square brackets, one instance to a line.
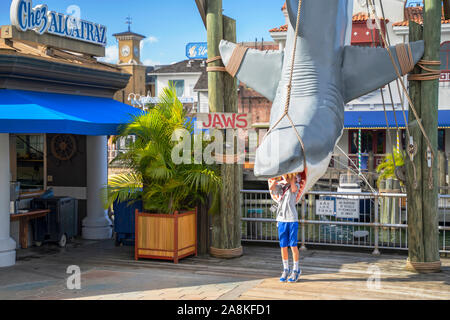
[125, 51]
[136, 51]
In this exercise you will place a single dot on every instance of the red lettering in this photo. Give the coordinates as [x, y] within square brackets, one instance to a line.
[209, 123]
[230, 122]
[242, 118]
[217, 122]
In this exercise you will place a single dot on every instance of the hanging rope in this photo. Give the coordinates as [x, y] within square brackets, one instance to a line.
[289, 89]
[233, 65]
[406, 66]
[411, 104]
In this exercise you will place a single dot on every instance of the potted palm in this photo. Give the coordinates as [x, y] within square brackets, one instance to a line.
[167, 229]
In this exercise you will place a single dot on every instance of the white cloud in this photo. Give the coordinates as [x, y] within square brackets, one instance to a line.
[148, 40]
[111, 55]
[150, 62]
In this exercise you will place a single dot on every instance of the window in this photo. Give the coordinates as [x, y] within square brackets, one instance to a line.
[179, 86]
[445, 53]
[371, 140]
[441, 140]
[30, 161]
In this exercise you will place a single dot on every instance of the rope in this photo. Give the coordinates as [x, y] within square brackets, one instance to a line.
[419, 121]
[214, 59]
[430, 74]
[236, 60]
[233, 65]
[370, 3]
[289, 89]
[407, 64]
[411, 145]
[405, 58]
[216, 69]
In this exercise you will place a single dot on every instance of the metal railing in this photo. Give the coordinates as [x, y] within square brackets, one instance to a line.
[364, 220]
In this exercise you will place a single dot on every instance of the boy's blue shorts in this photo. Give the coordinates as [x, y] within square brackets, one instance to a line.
[288, 234]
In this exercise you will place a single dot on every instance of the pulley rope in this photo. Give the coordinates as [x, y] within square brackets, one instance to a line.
[411, 149]
[289, 89]
[411, 104]
[400, 76]
[392, 102]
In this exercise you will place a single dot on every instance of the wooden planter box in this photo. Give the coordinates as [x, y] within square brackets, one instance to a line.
[165, 236]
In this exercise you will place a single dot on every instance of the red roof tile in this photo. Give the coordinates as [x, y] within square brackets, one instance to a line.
[363, 17]
[415, 14]
[280, 29]
[359, 17]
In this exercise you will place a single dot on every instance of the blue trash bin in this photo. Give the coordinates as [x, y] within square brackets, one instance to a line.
[124, 221]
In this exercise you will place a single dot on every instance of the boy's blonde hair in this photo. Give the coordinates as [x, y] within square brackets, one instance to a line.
[290, 175]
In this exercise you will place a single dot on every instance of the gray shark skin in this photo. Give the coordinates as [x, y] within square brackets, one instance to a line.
[327, 74]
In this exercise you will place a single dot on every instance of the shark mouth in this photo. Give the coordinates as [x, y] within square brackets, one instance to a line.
[303, 176]
[302, 181]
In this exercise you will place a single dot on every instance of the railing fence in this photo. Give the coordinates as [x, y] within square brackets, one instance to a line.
[364, 220]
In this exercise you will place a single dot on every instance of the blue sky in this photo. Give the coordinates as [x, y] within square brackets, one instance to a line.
[168, 24]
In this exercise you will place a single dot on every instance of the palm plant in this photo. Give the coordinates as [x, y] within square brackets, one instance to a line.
[164, 187]
[386, 169]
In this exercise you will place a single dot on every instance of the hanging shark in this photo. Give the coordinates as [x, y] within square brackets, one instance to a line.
[328, 73]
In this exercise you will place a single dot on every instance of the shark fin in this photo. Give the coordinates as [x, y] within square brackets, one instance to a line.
[260, 70]
[366, 69]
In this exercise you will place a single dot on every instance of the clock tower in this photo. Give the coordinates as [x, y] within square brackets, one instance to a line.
[130, 62]
[129, 46]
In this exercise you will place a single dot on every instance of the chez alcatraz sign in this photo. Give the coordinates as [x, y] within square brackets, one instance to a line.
[39, 19]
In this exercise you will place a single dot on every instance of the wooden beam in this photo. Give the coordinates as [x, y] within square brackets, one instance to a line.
[201, 5]
[232, 173]
[214, 23]
[430, 101]
[414, 169]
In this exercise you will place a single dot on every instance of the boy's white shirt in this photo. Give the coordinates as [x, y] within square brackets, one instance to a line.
[287, 205]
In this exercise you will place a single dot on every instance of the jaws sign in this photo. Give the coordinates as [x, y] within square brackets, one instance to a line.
[224, 120]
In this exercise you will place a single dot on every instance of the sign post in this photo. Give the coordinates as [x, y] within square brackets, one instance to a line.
[226, 225]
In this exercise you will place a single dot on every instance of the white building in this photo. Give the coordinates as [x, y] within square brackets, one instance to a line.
[184, 75]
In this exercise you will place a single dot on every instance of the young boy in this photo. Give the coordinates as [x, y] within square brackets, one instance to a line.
[285, 191]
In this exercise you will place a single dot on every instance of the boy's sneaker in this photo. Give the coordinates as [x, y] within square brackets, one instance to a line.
[285, 275]
[295, 275]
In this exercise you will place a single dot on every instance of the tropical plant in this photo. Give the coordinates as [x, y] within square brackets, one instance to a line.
[164, 187]
[386, 169]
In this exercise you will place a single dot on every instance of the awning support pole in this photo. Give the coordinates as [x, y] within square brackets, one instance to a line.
[7, 244]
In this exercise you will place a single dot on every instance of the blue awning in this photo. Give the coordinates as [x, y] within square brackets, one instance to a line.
[377, 120]
[42, 112]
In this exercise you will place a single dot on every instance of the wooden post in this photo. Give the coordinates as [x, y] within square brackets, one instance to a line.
[430, 100]
[222, 90]
[423, 235]
[413, 186]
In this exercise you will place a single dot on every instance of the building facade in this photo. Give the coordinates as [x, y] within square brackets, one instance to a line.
[56, 112]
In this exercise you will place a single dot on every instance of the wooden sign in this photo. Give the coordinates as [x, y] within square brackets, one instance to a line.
[223, 120]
